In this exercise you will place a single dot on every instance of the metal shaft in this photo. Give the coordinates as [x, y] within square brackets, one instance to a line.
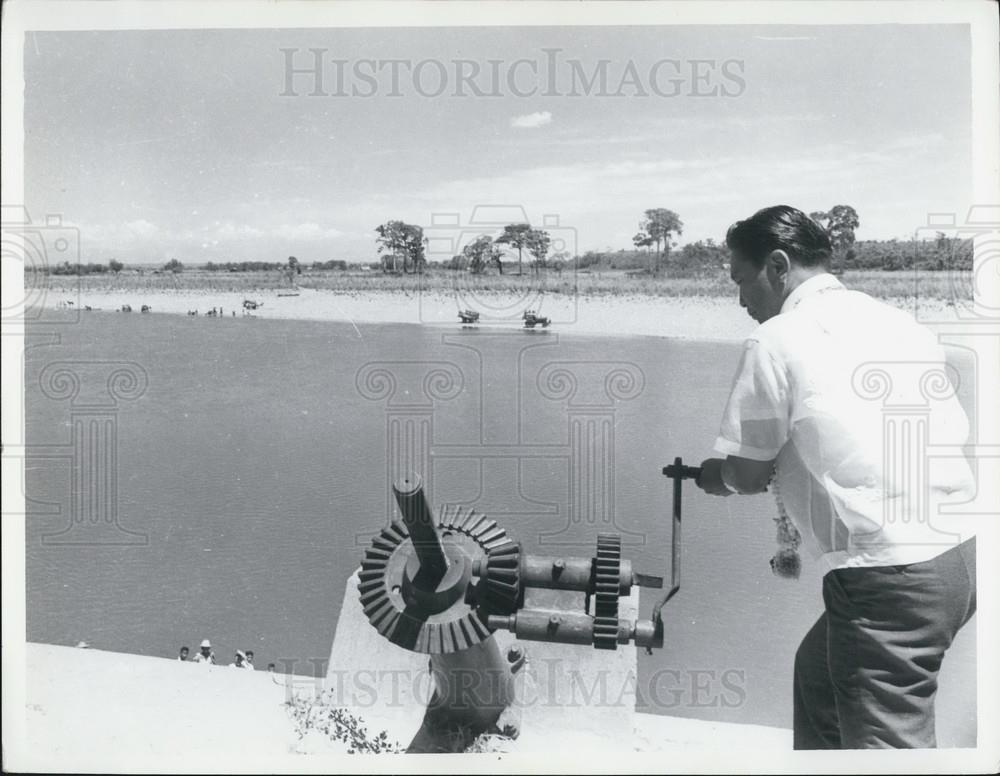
[677, 472]
[675, 543]
[419, 521]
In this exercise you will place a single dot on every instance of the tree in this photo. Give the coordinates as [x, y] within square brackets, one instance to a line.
[538, 244]
[659, 226]
[559, 261]
[115, 266]
[642, 240]
[839, 224]
[391, 242]
[478, 253]
[522, 236]
[415, 248]
[173, 266]
[291, 269]
[401, 241]
[517, 236]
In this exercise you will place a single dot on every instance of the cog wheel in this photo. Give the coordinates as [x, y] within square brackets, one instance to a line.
[468, 536]
[607, 571]
[502, 580]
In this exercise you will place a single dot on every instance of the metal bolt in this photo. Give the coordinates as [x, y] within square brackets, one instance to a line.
[554, 621]
[514, 654]
[558, 566]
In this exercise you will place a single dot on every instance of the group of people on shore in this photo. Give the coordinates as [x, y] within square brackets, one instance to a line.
[205, 654]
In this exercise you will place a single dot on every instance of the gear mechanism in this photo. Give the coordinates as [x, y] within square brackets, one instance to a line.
[502, 582]
[447, 623]
[606, 575]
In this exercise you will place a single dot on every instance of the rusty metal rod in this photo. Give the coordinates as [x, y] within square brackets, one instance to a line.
[546, 625]
[419, 521]
[678, 472]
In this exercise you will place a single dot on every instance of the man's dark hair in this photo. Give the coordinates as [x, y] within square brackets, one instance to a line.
[780, 228]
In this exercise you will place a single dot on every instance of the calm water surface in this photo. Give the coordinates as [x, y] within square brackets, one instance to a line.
[255, 462]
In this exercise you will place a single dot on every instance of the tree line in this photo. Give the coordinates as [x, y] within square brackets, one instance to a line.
[655, 244]
[401, 248]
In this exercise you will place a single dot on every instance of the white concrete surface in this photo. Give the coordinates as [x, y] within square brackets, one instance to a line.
[92, 710]
[89, 711]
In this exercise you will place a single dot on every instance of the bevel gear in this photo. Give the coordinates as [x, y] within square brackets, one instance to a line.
[436, 621]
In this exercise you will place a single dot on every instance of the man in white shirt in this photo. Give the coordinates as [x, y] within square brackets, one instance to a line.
[815, 405]
[205, 654]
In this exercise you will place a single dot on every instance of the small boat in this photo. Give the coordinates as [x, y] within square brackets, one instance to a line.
[468, 316]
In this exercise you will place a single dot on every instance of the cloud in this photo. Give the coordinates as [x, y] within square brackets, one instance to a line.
[531, 120]
[600, 199]
[307, 231]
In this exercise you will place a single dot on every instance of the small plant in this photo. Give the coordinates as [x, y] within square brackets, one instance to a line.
[338, 724]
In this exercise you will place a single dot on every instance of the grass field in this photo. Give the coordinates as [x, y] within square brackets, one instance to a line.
[882, 284]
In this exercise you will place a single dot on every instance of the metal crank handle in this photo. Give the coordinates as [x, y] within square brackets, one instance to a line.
[678, 472]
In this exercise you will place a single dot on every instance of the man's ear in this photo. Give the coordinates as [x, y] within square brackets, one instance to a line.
[778, 264]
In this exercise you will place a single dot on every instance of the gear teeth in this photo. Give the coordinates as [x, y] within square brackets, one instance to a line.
[423, 639]
[606, 576]
[387, 614]
[372, 594]
[378, 610]
[389, 628]
[502, 578]
[383, 542]
[474, 522]
[451, 637]
[479, 627]
[494, 533]
[467, 632]
[508, 550]
[395, 532]
[462, 519]
[445, 515]
[605, 632]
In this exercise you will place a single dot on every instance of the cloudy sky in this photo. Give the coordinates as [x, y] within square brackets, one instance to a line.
[188, 144]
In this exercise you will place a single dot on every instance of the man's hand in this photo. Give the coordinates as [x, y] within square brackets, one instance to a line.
[743, 476]
[710, 479]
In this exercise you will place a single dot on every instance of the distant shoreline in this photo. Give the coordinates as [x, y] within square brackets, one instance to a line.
[891, 286]
[700, 317]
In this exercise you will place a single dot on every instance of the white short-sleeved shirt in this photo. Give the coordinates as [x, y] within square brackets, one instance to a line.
[851, 397]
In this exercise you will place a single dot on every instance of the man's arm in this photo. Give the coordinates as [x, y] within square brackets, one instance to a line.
[723, 477]
[754, 425]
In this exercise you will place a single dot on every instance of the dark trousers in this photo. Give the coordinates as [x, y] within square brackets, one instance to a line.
[866, 673]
